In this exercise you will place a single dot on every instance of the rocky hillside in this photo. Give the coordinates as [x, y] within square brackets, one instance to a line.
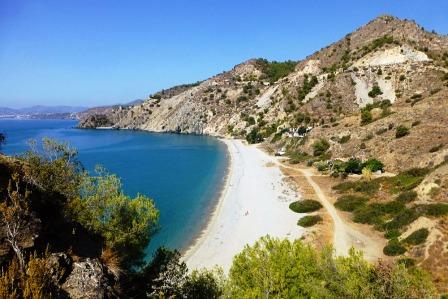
[390, 61]
[60, 257]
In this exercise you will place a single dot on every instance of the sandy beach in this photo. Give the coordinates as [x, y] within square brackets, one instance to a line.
[254, 203]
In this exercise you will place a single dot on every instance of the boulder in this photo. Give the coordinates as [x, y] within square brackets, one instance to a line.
[89, 279]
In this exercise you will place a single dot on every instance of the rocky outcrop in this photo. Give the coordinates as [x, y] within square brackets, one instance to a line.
[89, 279]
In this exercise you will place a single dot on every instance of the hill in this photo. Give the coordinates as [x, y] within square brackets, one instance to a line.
[379, 93]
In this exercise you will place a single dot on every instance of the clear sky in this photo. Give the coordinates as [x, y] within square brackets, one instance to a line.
[94, 52]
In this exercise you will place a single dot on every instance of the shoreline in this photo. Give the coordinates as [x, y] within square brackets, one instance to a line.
[253, 203]
[213, 206]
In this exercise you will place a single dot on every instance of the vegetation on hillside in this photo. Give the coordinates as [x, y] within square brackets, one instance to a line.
[274, 70]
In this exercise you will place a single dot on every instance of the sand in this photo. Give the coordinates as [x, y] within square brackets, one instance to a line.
[254, 203]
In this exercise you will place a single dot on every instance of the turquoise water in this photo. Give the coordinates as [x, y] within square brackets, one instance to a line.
[182, 173]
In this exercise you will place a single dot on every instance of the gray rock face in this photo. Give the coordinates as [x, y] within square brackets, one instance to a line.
[89, 279]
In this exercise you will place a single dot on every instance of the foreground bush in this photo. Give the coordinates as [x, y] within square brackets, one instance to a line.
[305, 206]
[274, 268]
[310, 220]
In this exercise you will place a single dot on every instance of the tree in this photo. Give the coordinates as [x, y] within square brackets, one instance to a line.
[127, 224]
[254, 136]
[54, 167]
[353, 165]
[274, 268]
[14, 216]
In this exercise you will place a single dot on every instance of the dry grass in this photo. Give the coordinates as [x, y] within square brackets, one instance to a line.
[111, 260]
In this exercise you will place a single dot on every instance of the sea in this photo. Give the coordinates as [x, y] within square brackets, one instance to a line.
[183, 174]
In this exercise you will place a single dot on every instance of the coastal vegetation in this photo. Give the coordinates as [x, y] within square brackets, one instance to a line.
[305, 206]
[309, 220]
[291, 269]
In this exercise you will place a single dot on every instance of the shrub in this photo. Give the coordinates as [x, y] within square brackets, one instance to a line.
[297, 157]
[375, 91]
[276, 70]
[368, 187]
[366, 117]
[254, 136]
[404, 181]
[436, 148]
[373, 165]
[392, 234]
[434, 209]
[417, 237]
[320, 147]
[407, 196]
[309, 220]
[402, 77]
[353, 165]
[405, 217]
[350, 202]
[401, 131]
[305, 206]
[344, 139]
[394, 248]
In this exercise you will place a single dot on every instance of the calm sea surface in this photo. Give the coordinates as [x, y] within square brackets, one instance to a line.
[182, 173]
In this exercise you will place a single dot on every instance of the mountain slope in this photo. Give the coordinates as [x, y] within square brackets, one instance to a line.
[327, 91]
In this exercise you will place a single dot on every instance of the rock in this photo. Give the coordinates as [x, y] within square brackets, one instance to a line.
[376, 113]
[89, 279]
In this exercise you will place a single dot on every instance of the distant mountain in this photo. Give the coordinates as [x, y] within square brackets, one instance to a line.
[40, 109]
[41, 112]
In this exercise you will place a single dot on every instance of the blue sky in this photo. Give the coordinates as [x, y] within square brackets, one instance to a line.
[95, 52]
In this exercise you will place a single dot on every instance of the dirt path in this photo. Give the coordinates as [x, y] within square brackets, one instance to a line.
[345, 236]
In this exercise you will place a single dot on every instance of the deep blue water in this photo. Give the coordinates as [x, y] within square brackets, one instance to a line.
[182, 173]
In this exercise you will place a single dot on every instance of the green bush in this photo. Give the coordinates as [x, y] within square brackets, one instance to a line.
[273, 268]
[353, 165]
[297, 157]
[368, 214]
[406, 180]
[375, 212]
[368, 187]
[405, 217]
[366, 117]
[375, 91]
[254, 136]
[373, 165]
[417, 237]
[434, 209]
[392, 234]
[309, 220]
[407, 196]
[394, 248]
[305, 206]
[320, 147]
[350, 202]
[401, 131]
[344, 139]
[275, 70]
